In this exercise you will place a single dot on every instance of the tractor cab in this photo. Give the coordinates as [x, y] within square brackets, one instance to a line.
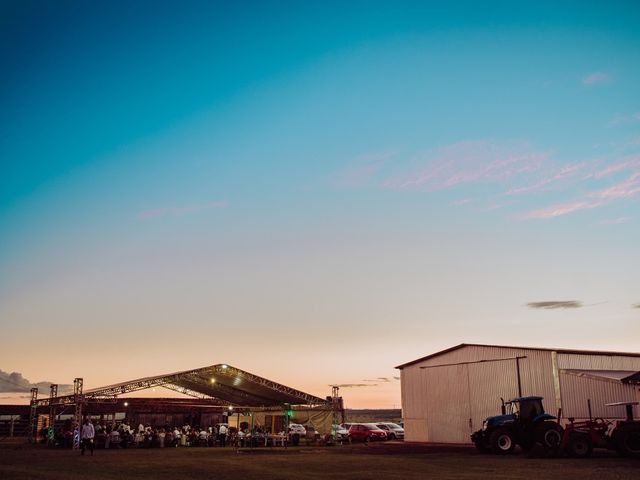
[628, 408]
[526, 409]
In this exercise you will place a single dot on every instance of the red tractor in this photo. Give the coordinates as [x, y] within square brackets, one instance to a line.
[580, 438]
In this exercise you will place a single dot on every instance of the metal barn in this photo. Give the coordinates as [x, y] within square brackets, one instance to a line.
[447, 395]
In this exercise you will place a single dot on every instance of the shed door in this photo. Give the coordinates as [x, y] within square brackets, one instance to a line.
[447, 404]
[488, 382]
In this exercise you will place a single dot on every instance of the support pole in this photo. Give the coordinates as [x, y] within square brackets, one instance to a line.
[519, 380]
[33, 416]
[53, 393]
[78, 399]
[335, 398]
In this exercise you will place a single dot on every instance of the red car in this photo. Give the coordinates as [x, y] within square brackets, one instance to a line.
[366, 432]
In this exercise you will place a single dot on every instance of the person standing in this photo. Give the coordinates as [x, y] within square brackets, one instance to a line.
[222, 434]
[86, 436]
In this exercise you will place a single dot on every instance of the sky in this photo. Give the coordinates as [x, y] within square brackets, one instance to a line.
[315, 192]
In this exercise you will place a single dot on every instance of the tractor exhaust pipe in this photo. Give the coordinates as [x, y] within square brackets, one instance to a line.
[503, 409]
[559, 417]
[589, 407]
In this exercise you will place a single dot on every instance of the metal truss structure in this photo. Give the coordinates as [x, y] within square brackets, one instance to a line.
[53, 393]
[33, 415]
[78, 400]
[221, 385]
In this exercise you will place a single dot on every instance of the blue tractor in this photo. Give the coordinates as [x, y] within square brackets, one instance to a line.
[523, 422]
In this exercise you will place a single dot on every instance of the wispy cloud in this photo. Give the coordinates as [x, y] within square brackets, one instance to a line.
[561, 209]
[469, 162]
[178, 211]
[562, 172]
[516, 172]
[624, 119]
[496, 206]
[554, 304]
[596, 78]
[463, 201]
[362, 170]
[631, 162]
[616, 221]
[625, 189]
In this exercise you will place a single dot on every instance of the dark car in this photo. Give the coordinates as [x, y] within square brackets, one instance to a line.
[366, 432]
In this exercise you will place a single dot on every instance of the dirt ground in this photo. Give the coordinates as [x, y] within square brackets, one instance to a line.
[388, 461]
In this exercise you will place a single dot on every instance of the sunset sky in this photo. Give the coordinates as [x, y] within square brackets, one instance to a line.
[315, 192]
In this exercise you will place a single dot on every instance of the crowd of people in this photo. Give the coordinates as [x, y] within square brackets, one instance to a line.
[124, 435]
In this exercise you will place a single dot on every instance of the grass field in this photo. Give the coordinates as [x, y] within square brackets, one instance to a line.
[388, 461]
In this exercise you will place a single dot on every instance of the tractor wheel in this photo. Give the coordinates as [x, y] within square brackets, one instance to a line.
[549, 435]
[580, 445]
[501, 441]
[482, 447]
[628, 440]
[527, 445]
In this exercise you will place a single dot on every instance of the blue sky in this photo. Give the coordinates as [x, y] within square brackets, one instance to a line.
[278, 176]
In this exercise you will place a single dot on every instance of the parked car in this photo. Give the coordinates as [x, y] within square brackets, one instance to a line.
[366, 432]
[339, 432]
[297, 428]
[311, 432]
[393, 430]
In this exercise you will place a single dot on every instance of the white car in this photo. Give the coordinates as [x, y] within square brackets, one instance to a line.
[394, 431]
[297, 428]
[339, 432]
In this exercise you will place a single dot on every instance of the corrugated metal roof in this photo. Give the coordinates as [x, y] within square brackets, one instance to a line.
[559, 350]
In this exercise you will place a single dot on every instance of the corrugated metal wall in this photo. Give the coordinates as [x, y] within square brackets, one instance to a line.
[598, 362]
[445, 403]
[576, 390]
[448, 409]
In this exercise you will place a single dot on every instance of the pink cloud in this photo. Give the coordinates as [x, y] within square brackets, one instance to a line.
[463, 201]
[564, 172]
[632, 162]
[469, 162]
[362, 169]
[178, 211]
[152, 213]
[627, 188]
[484, 164]
[561, 209]
[595, 78]
[616, 221]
